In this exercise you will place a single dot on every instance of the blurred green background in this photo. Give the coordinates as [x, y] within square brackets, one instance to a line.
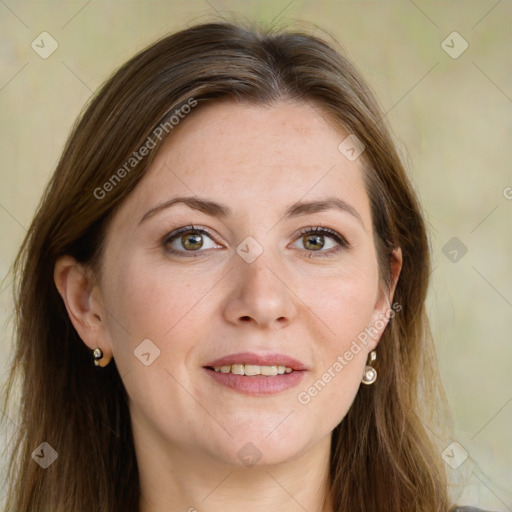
[451, 112]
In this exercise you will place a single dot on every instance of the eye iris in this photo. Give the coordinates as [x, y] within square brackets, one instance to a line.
[197, 241]
[316, 240]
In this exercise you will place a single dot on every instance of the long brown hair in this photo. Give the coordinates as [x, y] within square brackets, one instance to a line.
[382, 457]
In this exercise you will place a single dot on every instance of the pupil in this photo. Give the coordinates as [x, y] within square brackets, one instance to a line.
[196, 239]
[317, 242]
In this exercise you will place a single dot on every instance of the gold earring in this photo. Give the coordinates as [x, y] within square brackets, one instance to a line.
[98, 355]
[370, 373]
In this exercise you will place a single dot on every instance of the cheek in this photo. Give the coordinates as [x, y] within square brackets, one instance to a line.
[341, 357]
[345, 302]
[146, 301]
[328, 398]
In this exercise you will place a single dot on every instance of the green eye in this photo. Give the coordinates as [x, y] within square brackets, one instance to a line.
[314, 241]
[188, 240]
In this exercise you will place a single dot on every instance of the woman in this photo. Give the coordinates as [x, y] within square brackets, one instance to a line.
[228, 249]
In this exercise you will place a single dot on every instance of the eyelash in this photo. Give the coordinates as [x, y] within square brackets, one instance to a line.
[318, 230]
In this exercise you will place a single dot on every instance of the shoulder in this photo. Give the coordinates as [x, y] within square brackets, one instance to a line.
[467, 509]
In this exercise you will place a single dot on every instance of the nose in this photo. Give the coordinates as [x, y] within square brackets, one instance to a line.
[260, 294]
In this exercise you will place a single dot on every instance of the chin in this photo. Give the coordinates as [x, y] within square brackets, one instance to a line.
[251, 454]
[262, 449]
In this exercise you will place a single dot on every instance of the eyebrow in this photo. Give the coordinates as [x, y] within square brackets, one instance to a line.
[215, 209]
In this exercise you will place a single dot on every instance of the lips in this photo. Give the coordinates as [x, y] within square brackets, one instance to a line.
[257, 385]
[249, 358]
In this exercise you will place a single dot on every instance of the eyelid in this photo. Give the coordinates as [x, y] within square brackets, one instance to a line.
[185, 229]
[321, 230]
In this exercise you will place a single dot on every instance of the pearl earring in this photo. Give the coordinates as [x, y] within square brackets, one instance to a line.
[97, 354]
[370, 373]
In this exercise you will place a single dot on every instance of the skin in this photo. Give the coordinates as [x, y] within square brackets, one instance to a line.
[187, 428]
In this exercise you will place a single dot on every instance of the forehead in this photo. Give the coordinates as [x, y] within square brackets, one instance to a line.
[253, 157]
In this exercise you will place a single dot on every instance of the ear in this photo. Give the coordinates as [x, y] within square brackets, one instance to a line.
[82, 298]
[384, 310]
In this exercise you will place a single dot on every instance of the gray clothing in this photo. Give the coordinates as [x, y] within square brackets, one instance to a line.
[468, 509]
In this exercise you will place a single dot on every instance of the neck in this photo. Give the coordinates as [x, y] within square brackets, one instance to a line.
[193, 481]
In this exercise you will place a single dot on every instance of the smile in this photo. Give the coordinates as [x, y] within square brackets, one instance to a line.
[253, 369]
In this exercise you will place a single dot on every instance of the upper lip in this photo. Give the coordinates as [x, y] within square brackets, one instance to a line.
[260, 360]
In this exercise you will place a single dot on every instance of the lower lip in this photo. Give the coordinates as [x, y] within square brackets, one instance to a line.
[257, 384]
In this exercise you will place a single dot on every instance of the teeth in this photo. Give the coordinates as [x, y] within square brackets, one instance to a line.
[253, 369]
[238, 369]
[269, 370]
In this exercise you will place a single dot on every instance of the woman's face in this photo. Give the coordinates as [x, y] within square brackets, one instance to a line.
[248, 278]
